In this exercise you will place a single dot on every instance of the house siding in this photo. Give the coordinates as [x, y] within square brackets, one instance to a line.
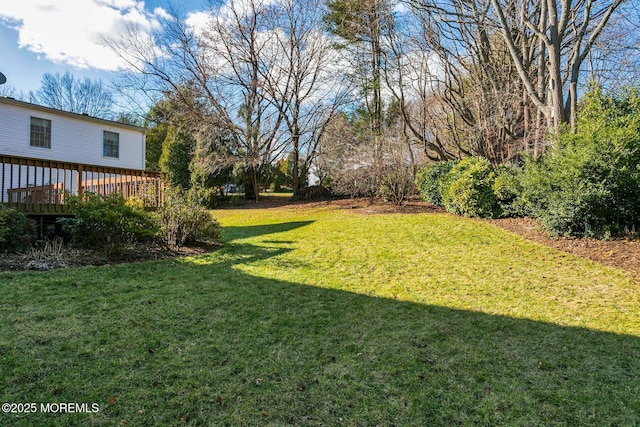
[74, 138]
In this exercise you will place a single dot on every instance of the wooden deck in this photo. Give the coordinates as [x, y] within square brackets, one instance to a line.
[39, 187]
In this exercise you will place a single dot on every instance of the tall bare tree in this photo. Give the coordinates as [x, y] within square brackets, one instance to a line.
[361, 25]
[522, 85]
[304, 83]
[457, 89]
[239, 36]
[564, 33]
[220, 73]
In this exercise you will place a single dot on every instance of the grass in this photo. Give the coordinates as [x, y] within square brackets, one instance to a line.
[323, 317]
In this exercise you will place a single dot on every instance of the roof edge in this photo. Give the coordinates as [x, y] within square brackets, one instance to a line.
[81, 116]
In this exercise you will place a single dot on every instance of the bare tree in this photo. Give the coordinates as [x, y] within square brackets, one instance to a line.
[304, 83]
[509, 70]
[361, 25]
[67, 93]
[220, 74]
[614, 60]
[9, 91]
[239, 36]
[457, 89]
[564, 33]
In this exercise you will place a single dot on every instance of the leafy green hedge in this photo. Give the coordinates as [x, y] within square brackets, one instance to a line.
[467, 189]
[507, 188]
[428, 181]
[590, 180]
[586, 181]
[464, 187]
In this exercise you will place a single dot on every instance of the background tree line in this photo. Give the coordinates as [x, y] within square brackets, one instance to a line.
[360, 94]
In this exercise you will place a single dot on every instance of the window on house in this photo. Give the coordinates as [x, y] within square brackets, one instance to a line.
[40, 132]
[111, 144]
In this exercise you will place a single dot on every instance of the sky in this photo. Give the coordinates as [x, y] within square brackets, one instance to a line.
[56, 36]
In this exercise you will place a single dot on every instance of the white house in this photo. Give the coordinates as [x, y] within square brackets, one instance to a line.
[38, 132]
[47, 153]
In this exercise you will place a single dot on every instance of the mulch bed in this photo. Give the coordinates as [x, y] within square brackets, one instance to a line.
[81, 257]
[619, 253]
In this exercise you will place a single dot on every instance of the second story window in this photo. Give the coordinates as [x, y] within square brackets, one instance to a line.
[40, 132]
[111, 144]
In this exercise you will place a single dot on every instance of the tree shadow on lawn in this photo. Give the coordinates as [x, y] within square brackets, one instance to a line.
[243, 232]
[235, 349]
[330, 357]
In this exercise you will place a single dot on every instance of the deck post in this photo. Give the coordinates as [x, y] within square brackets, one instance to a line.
[79, 186]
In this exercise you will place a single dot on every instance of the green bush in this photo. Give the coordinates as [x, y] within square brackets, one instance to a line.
[468, 189]
[314, 192]
[507, 188]
[17, 232]
[108, 222]
[591, 179]
[428, 181]
[181, 220]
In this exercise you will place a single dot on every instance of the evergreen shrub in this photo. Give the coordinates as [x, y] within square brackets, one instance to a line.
[108, 222]
[467, 189]
[17, 231]
[589, 181]
[428, 181]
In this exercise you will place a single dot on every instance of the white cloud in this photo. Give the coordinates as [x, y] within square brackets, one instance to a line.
[69, 31]
[198, 21]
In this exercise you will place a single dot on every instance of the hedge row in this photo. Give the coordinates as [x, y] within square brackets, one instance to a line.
[586, 182]
[470, 187]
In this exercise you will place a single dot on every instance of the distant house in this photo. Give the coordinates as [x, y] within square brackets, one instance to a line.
[46, 153]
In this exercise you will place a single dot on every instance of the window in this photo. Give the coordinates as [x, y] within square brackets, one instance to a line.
[40, 132]
[111, 144]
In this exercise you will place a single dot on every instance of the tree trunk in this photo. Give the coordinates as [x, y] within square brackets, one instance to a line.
[256, 183]
[573, 101]
[296, 166]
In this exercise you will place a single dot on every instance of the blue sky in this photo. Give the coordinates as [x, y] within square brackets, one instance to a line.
[56, 36]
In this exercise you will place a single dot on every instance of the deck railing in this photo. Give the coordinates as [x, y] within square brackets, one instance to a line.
[37, 186]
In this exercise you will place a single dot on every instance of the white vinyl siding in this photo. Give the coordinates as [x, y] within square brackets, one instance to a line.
[75, 138]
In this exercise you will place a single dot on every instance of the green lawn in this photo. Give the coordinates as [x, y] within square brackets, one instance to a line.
[328, 317]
